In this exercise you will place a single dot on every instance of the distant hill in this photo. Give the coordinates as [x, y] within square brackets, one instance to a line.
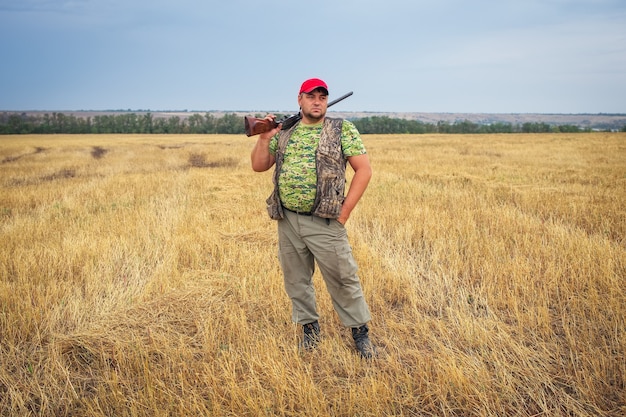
[586, 121]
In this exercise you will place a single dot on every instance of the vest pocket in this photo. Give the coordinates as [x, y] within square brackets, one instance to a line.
[273, 206]
[331, 198]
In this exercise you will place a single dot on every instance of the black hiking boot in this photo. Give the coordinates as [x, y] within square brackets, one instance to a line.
[362, 341]
[311, 333]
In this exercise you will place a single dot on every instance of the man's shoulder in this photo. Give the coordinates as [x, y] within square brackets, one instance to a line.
[347, 127]
[337, 120]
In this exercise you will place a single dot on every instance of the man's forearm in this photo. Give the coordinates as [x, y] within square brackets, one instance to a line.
[357, 188]
[261, 158]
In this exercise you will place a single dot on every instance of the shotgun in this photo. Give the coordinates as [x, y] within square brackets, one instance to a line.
[255, 126]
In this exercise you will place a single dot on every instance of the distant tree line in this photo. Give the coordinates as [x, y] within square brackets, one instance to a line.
[384, 125]
[23, 123]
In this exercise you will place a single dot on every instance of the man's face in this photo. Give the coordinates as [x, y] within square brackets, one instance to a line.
[313, 105]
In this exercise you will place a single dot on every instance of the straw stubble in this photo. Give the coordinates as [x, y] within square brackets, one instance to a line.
[139, 277]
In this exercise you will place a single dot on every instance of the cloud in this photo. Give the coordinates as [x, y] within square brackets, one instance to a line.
[397, 55]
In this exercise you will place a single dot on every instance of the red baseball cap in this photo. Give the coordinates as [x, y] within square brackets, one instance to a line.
[311, 84]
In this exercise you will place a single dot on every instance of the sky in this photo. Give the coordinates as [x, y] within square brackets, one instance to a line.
[454, 56]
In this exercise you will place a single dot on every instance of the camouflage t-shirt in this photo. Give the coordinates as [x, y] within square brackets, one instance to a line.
[297, 180]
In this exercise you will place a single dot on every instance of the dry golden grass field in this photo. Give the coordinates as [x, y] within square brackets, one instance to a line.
[138, 277]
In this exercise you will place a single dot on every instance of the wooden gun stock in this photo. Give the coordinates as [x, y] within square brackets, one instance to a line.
[256, 126]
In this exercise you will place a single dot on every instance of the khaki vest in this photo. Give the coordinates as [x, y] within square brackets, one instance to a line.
[330, 167]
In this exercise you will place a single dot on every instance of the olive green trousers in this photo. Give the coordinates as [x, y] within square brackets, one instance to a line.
[304, 241]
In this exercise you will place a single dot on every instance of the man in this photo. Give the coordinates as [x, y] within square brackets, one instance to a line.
[309, 204]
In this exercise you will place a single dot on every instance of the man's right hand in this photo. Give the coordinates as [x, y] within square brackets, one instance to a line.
[266, 136]
[261, 158]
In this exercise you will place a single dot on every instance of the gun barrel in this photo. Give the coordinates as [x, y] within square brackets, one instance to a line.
[254, 126]
[332, 103]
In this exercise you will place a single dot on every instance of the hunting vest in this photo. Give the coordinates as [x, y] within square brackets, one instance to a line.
[331, 172]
